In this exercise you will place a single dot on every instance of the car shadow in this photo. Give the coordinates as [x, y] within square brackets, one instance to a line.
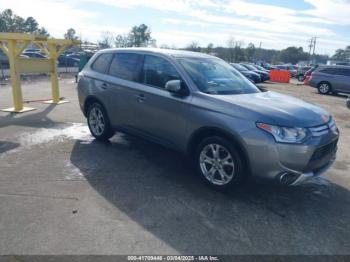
[7, 146]
[158, 189]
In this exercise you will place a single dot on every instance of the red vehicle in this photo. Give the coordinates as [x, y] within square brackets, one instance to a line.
[307, 75]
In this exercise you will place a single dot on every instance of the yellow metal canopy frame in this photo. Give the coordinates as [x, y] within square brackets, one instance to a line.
[13, 45]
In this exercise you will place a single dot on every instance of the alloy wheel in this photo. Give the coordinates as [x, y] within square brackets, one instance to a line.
[324, 88]
[96, 121]
[217, 164]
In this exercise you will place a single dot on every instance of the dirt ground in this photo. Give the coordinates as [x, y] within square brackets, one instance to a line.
[62, 192]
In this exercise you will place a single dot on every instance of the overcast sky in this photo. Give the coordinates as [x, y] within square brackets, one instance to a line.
[275, 23]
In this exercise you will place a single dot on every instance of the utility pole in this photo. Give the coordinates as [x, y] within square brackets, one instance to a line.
[312, 46]
[260, 51]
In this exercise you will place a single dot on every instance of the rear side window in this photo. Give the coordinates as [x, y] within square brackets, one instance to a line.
[330, 71]
[101, 63]
[126, 66]
[157, 71]
[344, 72]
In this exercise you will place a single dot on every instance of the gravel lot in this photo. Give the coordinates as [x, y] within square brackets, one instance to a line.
[61, 192]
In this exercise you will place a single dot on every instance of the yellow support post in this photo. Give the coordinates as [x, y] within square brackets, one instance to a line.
[52, 48]
[15, 81]
[21, 65]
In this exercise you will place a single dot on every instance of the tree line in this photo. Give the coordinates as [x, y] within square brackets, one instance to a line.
[10, 22]
[141, 36]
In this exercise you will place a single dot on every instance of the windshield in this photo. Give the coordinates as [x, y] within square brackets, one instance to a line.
[239, 67]
[214, 76]
[259, 67]
[250, 67]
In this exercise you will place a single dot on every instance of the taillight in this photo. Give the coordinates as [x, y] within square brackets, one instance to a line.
[310, 77]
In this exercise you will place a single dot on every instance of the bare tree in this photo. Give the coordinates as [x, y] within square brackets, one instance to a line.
[193, 46]
[107, 40]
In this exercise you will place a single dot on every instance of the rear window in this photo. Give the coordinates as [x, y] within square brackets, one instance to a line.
[101, 63]
[126, 66]
[331, 71]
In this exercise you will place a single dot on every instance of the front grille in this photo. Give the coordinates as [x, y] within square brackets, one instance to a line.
[323, 129]
[324, 150]
[319, 130]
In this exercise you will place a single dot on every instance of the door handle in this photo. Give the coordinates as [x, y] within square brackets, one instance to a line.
[104, 86]
[140, 98]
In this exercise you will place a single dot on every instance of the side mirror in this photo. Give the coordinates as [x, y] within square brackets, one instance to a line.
[173, 86]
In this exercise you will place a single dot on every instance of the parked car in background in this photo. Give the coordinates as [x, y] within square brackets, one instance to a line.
[196, 104]
[263, 74]
[292, 69]
[265, 65]
[252, 76]
[68, 61]
[74, 55]
[261, 68]
[300, 75]
[34, 54]
[4, 61]
[331, 79]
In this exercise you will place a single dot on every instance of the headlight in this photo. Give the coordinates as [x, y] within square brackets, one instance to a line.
[293, 135]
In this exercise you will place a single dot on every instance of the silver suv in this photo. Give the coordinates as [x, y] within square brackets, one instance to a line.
[200, 105]
[329, 79]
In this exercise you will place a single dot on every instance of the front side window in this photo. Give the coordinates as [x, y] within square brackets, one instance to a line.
[214, 76]
[126, 66]
[101, 63]
[157, 71]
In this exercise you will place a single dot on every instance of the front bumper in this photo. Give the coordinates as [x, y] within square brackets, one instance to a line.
[305, 176]
[271, 160]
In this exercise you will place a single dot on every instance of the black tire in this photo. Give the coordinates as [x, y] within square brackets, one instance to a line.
[102, 134]
[238, 175]
[324, 88]
[301, 78]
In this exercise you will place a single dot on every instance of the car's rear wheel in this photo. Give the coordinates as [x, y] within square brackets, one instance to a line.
[98, 122]
[301, 78]
[324, 88]
[219, 163]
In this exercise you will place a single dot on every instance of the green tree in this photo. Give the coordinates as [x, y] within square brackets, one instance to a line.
[10, 22]
[293, 55]
[339, 54]
[71, 34]
[30, 25]
[250, 51]
[42, 31]
[140, 36]
[210, 48]
[342, 54]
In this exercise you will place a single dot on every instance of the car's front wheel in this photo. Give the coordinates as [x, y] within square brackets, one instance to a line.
[219, 163]
[324, 88]
[98, 122]
[301, 78]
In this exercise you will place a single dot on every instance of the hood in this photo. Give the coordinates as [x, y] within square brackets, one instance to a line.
[261, 72]
[274, 108]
